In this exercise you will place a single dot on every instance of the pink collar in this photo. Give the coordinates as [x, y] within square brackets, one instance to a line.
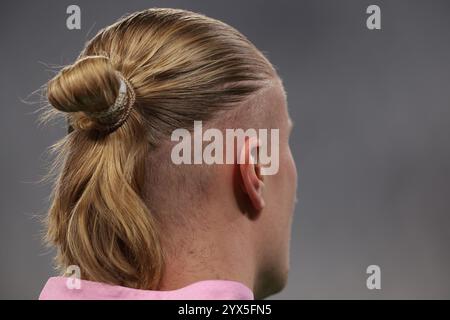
[56, 288]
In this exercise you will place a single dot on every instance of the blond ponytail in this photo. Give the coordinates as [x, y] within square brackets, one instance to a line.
[98, 219]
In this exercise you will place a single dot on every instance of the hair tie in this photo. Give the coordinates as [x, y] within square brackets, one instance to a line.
[116, 114]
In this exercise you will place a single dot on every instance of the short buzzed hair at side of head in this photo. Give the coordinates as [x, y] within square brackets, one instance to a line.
[183, 189]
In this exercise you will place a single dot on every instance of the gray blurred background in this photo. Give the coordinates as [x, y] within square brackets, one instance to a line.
[372, 136]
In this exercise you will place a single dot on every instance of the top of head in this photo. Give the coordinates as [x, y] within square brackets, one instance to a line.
[182, 65]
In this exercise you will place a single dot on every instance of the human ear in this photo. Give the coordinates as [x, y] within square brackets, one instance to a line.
[250, 170]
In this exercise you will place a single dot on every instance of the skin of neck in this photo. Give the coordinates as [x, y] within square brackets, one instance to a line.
[220, 243]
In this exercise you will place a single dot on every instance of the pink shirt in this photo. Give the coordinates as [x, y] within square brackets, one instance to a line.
[56, 288]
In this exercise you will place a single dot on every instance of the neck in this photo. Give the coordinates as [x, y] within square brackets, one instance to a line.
[199, 254]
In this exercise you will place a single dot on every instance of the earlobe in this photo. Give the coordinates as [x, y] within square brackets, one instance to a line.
[252, 180]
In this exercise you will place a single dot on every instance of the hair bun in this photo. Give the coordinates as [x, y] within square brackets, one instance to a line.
[91, 85]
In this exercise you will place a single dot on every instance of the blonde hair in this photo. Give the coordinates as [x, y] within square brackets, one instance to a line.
[182, 67]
